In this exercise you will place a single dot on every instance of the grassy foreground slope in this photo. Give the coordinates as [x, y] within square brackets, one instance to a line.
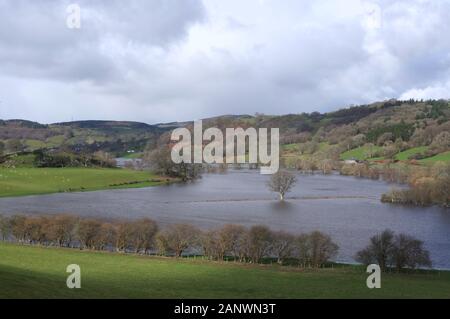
[33, 181]
[32, 272]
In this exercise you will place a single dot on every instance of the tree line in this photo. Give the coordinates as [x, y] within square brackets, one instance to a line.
[427, 186]
[398, 251]
[143, 236]
[256, 244]
[57, 159]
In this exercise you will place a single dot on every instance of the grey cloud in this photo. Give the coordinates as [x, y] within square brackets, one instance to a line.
[35, 42]
[153, 22]
[171, 60]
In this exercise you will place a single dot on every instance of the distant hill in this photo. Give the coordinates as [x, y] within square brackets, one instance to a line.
[413, 122]
[22, 123]
[81, 136]
[105, 125]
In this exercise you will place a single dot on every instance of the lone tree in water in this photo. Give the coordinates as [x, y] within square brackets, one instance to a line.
[282, 182]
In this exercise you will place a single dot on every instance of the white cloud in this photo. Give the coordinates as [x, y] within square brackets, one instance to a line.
[438, 91]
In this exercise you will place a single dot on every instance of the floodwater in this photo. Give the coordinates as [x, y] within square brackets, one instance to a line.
[346, 208]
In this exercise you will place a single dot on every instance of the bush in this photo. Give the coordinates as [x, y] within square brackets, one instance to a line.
[67, 159]
[379, 250]
[430, 187]
[389, 250]
[409, 252]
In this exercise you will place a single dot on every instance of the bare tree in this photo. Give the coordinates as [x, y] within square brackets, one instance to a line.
[233, 240]
[105, 159]
[378, 251]
[441, 193]
[87, 232]
[259, 242]
[143, 234]
[322, 248]
[282, 182]
[209, 241]
[124, 233]
[162, 245]
[5, 228]
[314, 249]
[302, 250]
[252, 244]
[178, 238]
[36, 229]
[409, 252]
[283, 245]
[326, 166]
[18, 230]
[399, 251]
[61, 229]
[107, 236]
[161, 162]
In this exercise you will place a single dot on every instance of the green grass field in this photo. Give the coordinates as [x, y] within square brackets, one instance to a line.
[133, 155]
[290, 147]
[404, 156]
[34, 144]
[359, 153]
[443, 157]
[35, 272]
[33, 181]
[291, 152]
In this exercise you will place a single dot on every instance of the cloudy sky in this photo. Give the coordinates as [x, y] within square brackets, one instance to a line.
[167, 60]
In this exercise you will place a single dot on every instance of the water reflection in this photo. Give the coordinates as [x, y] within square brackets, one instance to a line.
[282, 206]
